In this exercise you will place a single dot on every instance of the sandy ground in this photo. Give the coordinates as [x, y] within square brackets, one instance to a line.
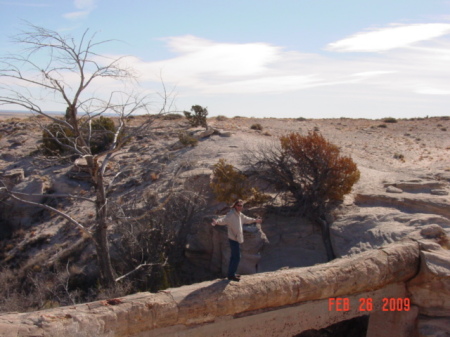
[384, 152]
[381, 150]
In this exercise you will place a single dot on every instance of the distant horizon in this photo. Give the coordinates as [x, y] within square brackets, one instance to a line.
[12, 112]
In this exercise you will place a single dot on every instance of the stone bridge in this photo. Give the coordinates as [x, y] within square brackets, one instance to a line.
[404, 288]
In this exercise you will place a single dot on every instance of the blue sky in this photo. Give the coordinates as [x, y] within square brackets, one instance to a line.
[291, 58]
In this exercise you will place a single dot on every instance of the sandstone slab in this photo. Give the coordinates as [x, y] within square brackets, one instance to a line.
[430, 289]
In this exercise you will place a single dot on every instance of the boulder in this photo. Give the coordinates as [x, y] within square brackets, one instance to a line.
[80, 170]
[13, 177]
[31, 189]
[410, 204]
[430, 289]
[358, 232]
[417, 185]
[197, 179]
[205, 133]
[439, 192]
[393, 189]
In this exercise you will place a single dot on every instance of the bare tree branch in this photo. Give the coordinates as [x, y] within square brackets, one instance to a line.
[163, 264]
[63, 69]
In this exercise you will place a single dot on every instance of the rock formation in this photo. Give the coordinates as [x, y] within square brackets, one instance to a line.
[394, 201]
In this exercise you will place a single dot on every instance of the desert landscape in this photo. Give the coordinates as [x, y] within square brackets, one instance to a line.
[402, 193]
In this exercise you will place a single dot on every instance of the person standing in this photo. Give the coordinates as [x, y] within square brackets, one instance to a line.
[234, 221]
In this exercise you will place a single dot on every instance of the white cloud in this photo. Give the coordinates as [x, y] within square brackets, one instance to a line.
[85, 7]
[395, 36]
[222, 59]
[202, 66]
[366, 74]
[433, 91]
[76, 15]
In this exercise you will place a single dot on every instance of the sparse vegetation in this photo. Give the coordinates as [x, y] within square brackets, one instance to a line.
[229, 184]
[311, 170]
[172, 116]
[156, 240]
[256, 126]
[221, 118]
[197, 116]
[322, 176]
[389, 120]
[187, 140]
[58, 138]
[399, 156]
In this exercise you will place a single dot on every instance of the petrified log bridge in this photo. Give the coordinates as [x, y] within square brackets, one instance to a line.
[282, 303]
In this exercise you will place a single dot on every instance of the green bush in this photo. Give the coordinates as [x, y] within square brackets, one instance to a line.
[99, 135]
[102, 134]
[172, 116]
[56, 139]
[198, 117]
[221, 118]
[228, 185]
[256, 126]
[390, 120]
[187, 140]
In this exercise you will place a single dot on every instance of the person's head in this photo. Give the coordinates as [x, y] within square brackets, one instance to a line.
[238, 205]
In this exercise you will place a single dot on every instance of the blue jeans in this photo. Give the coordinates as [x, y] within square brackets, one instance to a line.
[234, 258]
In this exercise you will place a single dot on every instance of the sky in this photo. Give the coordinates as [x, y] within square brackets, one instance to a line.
[261, 58]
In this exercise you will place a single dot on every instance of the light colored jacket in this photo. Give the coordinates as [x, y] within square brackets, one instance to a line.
[234, 221]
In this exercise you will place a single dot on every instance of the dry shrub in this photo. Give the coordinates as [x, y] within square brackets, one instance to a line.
[308, 167]
[172, 116]
[38, 289]
[197, 116]
[151, 239]
[389, 120]
[221, 118]
[229, 184]
[187, 140]
[58, 138]
[321, 173]
[256, 126]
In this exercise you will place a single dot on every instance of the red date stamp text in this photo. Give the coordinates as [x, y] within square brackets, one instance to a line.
[367, 304]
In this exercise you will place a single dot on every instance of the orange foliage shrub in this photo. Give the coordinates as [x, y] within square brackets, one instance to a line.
[320, 174]
[228, 185]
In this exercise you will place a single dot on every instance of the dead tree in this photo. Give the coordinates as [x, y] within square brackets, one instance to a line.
[65, 69]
